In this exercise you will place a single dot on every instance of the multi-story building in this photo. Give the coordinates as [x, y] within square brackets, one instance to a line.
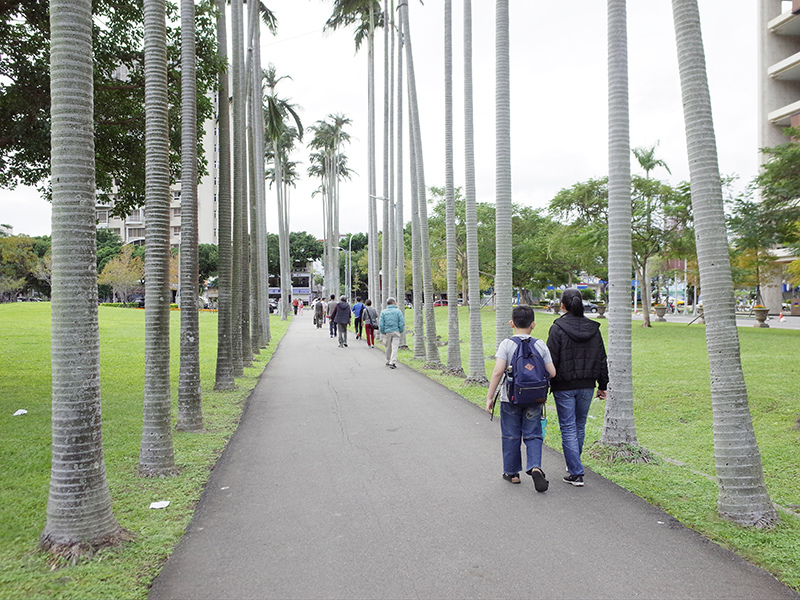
[778, 97]
[132, 228]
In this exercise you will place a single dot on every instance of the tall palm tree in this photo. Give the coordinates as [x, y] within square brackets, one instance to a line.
[190, 411]
[400, 239]
[454, 366]
[618, 425]
[79, 506]
[366, 16]
[432, 359]
[156, 456]
[241, 254]
[646, 158]
[743, 496]
[416, 251]
[276, 113]
[477, 365]
[392, 226]
[503, 288]
[224, 379]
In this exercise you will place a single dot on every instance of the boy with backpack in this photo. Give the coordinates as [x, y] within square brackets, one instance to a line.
[528, 367]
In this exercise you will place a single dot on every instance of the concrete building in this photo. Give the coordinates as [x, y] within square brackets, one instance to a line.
[778, 97]
[132, 228]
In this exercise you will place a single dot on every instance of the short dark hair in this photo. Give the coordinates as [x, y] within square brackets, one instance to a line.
[333, 296]
[368, 302]
[573, 301]
[358, 299]
[523, 316]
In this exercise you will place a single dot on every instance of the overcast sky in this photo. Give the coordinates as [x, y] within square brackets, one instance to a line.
[558, 90]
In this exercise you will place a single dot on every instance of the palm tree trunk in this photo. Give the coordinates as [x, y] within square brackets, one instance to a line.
[156, 456]
[503, 287]
[416, 253]
[647, 295]
[400, 239]
[79, 505]
[387, 276]
[392, 229]
[190, 410]
[743, 496]
[618, 424]
[372, 251]
[255, 317]
[432, 359]
[454, 366]
[224, 374]
[477, 364]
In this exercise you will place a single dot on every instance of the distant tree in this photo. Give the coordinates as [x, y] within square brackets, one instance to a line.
[123, 273]
[209, 261]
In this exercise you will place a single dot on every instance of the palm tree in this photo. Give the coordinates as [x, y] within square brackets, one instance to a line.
[432, 359]
[365, 15]
[477, 366]
[392, 229]
[503, 289]
[400, 237]
[276, 111]
[648, 161]
[156, 456]
[416, 252]
[743, 496]
[224, 374]
[190, 411]
[241, 243]
[618, 425]
[79, 512]
[454, 366]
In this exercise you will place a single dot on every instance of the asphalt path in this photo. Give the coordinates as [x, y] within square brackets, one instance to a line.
[347, 479]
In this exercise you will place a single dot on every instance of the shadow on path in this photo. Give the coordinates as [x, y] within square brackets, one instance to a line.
[347, 479]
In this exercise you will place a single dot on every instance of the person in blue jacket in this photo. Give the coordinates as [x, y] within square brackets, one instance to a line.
[357, 323]
[391, 324]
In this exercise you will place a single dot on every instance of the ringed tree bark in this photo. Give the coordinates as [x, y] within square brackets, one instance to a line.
[79, 516]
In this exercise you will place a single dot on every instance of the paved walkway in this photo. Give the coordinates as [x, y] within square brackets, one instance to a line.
[347, 479]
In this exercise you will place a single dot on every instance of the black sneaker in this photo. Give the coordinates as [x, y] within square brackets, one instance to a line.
[576, 480]
[540, 483]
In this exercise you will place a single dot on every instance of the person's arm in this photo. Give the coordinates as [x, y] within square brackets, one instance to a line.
[494, 381]
[402, 322]
[602, 379]
[333, 312]
[551, 369]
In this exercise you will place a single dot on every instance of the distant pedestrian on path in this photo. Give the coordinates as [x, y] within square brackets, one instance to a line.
[391, 324]
[300, 306]
[357, 324]
[319, 313]
[330, 306]
[341, 317]
[295, 302]
[520, 423]
[370, 318]
[576, 345]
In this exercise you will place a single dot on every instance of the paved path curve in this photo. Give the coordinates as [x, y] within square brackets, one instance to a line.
[347, 479]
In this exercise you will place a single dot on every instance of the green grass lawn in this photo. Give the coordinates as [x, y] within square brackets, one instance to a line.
[672, 409]
[125, 571]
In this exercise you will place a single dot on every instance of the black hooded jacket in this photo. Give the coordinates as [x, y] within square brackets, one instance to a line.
[579, 355]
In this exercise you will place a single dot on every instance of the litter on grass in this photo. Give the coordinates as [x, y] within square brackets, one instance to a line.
[160, 504]
[21, 411]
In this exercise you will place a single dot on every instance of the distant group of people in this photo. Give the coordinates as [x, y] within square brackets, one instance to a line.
[366, 321]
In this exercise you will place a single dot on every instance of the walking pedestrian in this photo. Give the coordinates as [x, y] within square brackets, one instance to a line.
[341, 317]
[579, 356]
[520, 423]
[319, 313]
[300, 306]
[391, 324]
[295, 302]
[357, 324]
[330, 306]
[369, 316]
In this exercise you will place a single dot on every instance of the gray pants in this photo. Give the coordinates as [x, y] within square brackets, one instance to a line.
[342, 328]
[392, 342]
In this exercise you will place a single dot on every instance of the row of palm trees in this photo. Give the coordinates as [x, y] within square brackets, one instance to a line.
[79, 514]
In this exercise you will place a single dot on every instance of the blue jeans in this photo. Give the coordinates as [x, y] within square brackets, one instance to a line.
[573, 408]
[518, 424]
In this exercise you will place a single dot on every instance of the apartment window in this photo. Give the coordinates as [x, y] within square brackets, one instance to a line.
[102, 217]
[176, 230]
[176, 212]
[136, 216]
[135, 232]
[176, 195]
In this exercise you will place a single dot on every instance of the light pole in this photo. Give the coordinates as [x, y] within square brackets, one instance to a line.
[378, 266]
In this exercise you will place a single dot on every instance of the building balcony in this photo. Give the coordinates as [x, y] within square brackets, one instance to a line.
[787, 23]
[783, 116]
[786, 70]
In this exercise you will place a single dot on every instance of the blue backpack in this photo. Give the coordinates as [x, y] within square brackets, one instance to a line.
[527, 381]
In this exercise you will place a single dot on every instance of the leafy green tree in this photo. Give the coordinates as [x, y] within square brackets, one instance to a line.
[123, 273]
[209, 261]
[118, 73]
[303, 248]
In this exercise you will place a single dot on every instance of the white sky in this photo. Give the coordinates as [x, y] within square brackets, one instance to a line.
[558, 88]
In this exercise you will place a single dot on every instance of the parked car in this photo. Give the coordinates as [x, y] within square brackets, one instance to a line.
[440, 302]
[589, 307]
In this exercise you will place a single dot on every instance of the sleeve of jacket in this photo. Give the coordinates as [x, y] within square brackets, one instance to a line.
[554, 345]
[333, 312]
[401, 321]
[602, 377]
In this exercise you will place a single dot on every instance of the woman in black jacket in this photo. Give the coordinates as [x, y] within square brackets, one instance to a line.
[579, 357]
